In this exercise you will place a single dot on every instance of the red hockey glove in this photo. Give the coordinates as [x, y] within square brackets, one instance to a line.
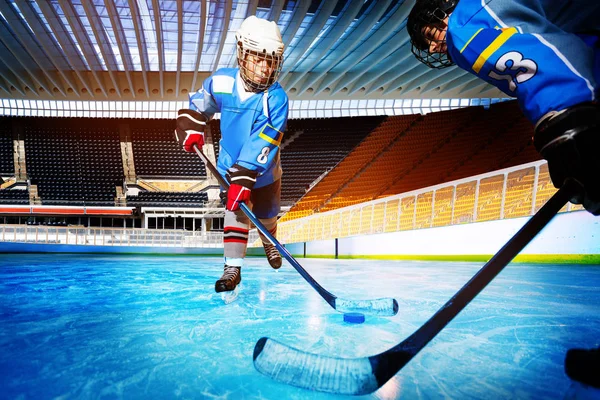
[241, 181]
[190, 129]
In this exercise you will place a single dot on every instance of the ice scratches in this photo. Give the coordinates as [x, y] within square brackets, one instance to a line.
[224, 396]
[480, 319]
[119, 387]
[182, 334]
[321, 344]
[525, 356]
[260, 396]
[474, 340]
[202, 297]
[192, 333]
[441, 387]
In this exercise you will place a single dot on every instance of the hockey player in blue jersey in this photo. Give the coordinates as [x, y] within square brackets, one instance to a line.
[546, 53]
[254, 112]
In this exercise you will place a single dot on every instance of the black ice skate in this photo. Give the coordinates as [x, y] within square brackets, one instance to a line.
[232, 276]
[272, 255]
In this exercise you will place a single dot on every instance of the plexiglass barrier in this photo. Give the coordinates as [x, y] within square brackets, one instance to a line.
[508, 193]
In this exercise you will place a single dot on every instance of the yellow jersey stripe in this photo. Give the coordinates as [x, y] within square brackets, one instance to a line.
[495, 45]
[276, 141]
[469, 41]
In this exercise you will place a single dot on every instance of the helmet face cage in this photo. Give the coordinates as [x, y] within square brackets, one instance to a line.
[253, 64]
[425, 26]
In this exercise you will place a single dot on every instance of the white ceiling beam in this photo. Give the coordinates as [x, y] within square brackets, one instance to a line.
[240, 13]
[427, 75]
[67, 45]
[405, 71]
[366, 76]
[251, 10]
[361, 29]
[141, 43]
[179, 42]
[456, 82]
[103, 42]
[392, 24]
[469, 83]
[276, 9]
[47, 44]
[201, 29]
[393, 81]
[252, 5]
[298, 14]
[311, 33]
[159, 44]
[7, 73]
[343, 21]
[18, 53]
[224, 31]
[4, 85]
[442, 79]
[122, 44]
[486, 87]
[87, 48]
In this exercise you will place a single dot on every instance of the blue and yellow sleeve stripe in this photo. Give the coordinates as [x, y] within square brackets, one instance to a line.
[271, 135]
[486, 42]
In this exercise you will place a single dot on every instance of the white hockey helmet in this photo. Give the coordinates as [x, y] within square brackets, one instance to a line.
[259, 52]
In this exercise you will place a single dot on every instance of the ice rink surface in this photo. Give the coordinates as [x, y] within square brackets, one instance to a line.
[139, 327]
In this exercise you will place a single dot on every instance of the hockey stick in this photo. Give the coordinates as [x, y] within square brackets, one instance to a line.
[358, 376]
[383, 306]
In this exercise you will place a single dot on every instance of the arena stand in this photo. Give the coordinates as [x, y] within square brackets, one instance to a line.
[329, 164]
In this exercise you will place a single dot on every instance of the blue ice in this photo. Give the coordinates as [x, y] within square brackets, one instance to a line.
[140, 327]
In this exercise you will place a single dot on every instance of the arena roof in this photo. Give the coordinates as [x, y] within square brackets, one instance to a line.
[160, 50]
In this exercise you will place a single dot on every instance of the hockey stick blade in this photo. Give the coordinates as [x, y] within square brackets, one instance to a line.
[382, 306]
[358, 376]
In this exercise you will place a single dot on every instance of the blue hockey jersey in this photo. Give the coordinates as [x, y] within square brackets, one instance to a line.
[529, 49]
[252, 124]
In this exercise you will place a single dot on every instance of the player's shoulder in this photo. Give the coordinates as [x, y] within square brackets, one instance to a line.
[277, 95]
[473, 13]
[230, 72]
[223, 80]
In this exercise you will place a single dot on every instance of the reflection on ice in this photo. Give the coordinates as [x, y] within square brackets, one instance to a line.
[153, 327]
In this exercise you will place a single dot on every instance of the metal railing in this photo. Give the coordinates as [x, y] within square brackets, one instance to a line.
[82, 236]
[509, 193]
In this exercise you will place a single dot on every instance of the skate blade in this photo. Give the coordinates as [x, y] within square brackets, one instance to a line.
[231, 296]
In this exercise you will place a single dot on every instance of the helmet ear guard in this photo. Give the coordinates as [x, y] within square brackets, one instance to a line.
[430, 14]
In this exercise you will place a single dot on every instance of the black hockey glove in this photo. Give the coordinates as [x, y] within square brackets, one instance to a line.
[189, 130]
[570, 141]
